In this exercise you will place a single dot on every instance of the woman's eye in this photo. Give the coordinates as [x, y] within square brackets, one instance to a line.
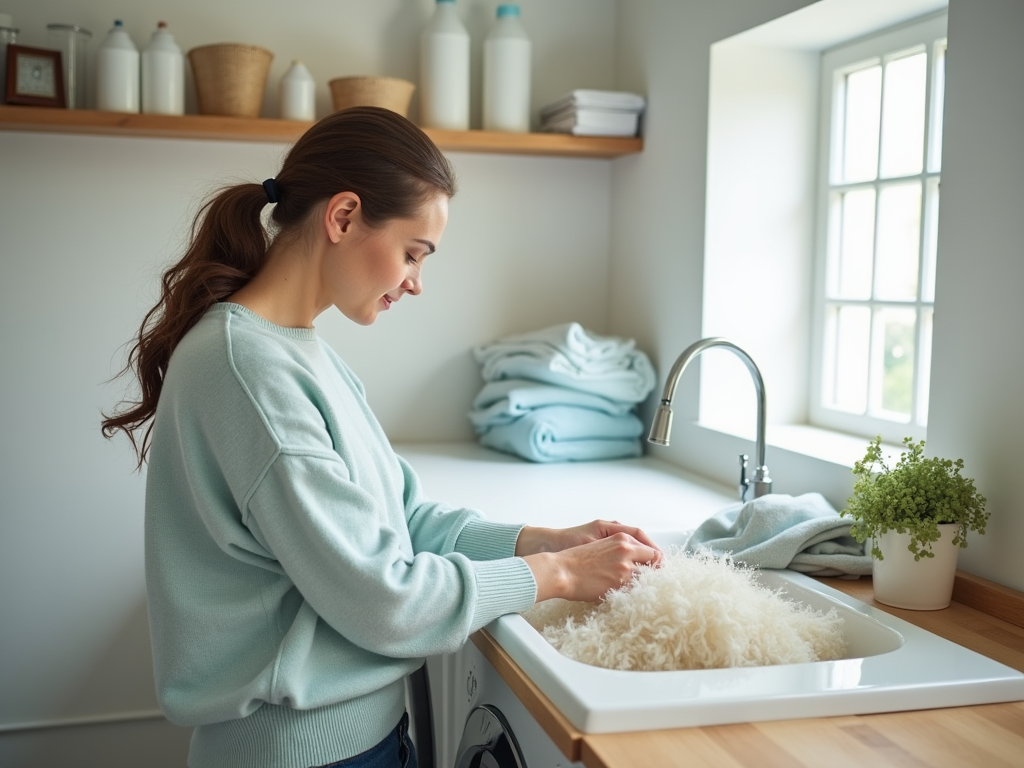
[411, 258]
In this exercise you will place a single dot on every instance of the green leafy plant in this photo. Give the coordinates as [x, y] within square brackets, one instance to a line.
[915, 497]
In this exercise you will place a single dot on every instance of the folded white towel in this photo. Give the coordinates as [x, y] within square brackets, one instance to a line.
[568, 356]
[582, 348]
[584, 121]
[584, 97]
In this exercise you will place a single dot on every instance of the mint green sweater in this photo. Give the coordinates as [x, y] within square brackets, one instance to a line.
[295, 570]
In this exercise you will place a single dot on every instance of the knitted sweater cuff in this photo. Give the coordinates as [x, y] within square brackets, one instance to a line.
[503, 586]
[482, 539]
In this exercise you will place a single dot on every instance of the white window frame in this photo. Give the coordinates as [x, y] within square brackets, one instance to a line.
[927, 34]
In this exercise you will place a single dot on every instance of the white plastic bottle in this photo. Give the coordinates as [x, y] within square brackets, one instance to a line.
[507, 74]
[117, 72]
[444, 70]
[298, 93]
[163, 74]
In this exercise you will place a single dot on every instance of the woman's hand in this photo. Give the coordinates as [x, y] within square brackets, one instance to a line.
[584, 562]
[533, 540]
[588, 571]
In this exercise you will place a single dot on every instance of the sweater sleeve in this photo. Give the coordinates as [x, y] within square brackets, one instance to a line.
[442, 529]
[332, 539]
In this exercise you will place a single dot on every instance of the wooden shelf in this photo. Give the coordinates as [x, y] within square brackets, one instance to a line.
[85, 121]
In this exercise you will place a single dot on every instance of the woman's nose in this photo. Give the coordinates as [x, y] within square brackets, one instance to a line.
[413, 285]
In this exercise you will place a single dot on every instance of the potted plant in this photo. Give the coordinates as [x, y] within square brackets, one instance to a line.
[917, 515]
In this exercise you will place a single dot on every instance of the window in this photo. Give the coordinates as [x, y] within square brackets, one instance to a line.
[877, 221]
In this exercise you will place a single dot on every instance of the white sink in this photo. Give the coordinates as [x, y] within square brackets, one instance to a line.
[891, 666]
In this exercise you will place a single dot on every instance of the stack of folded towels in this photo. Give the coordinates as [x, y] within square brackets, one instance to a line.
[594, 113]
[561, 394]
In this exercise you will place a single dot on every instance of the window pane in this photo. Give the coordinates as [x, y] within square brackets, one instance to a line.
[938, 97]
[893, 362]
[860, 129]
[856, 245]
[849, 330]
[924, 373]
[903, 103]
[931, 240]
[899, 238]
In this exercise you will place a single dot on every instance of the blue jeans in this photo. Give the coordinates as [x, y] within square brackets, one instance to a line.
[394, 751]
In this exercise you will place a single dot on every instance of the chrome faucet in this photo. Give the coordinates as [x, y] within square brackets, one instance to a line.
[661, 426]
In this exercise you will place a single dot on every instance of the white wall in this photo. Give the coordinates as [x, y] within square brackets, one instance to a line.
[658, 242]
[87, 224]
[658, 239]
[978, 356]
[762, 120]
[573, 40]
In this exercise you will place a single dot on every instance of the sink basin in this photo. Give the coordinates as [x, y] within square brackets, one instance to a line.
[891, 665]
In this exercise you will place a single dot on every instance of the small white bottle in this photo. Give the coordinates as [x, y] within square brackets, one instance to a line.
[298, 93]
[444, 70]
[507, 74]
[117, 72]
[163, 74]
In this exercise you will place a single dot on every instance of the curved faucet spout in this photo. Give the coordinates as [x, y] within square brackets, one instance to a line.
[661, 427]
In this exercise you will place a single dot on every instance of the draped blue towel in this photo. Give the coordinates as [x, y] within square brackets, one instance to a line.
[802, 533]
[565, 433]
[502, 402]
[569, 356]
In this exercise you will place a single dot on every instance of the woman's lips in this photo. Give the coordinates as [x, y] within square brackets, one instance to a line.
[388, 301]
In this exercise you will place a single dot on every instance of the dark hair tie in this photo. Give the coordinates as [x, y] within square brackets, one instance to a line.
[273, 193]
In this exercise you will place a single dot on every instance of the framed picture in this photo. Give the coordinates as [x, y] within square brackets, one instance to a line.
[35, 77]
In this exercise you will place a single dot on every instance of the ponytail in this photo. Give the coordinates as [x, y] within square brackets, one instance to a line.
[228, 246]
[377, 154]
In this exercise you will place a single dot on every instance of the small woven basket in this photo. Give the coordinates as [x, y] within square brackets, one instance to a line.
[388, 92]
[231, 78]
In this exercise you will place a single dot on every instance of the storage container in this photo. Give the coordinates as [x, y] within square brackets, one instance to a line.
[389, 92]
[163, 74]
[231, 78]
[444, 70]
[117, 72]
[507, 52]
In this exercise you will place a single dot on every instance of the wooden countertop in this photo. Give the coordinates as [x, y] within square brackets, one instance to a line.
[989, 735]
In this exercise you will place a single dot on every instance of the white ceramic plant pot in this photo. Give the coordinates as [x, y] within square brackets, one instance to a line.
[922, 585]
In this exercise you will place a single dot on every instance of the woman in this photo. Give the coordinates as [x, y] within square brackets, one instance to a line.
[295, 571]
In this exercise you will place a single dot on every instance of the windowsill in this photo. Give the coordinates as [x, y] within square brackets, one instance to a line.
[826, 445]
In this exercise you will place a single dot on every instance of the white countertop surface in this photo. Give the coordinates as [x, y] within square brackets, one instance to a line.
[919, 671]
[644, 492]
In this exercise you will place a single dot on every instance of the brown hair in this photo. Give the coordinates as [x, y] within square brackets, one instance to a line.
[377, 154]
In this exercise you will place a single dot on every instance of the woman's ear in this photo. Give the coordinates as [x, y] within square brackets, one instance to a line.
[340, 212]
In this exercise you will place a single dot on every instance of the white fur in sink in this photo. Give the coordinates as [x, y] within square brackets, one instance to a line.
[693, 612]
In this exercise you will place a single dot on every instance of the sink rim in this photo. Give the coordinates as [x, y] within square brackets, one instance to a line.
[926, 671]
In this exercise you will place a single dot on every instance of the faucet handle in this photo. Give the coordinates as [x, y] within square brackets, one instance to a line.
[744, 485]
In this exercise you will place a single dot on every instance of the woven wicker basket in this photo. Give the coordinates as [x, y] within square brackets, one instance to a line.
[230, 78]
[388, 92]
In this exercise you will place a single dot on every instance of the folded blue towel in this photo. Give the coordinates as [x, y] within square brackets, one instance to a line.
[803, 533]
[502, 402]
[569, 356]
[564, 433]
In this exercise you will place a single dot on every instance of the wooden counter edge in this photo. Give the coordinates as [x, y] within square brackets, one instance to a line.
[563, 733]
[970, 592]
[984, 617]
[986, 622]
[989, 597]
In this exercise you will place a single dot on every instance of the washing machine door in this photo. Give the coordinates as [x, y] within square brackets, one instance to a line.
[488, 742]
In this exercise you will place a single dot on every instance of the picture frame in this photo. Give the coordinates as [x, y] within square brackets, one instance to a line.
[35, 77]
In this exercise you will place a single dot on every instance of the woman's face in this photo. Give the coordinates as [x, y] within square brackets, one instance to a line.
[376, 267]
